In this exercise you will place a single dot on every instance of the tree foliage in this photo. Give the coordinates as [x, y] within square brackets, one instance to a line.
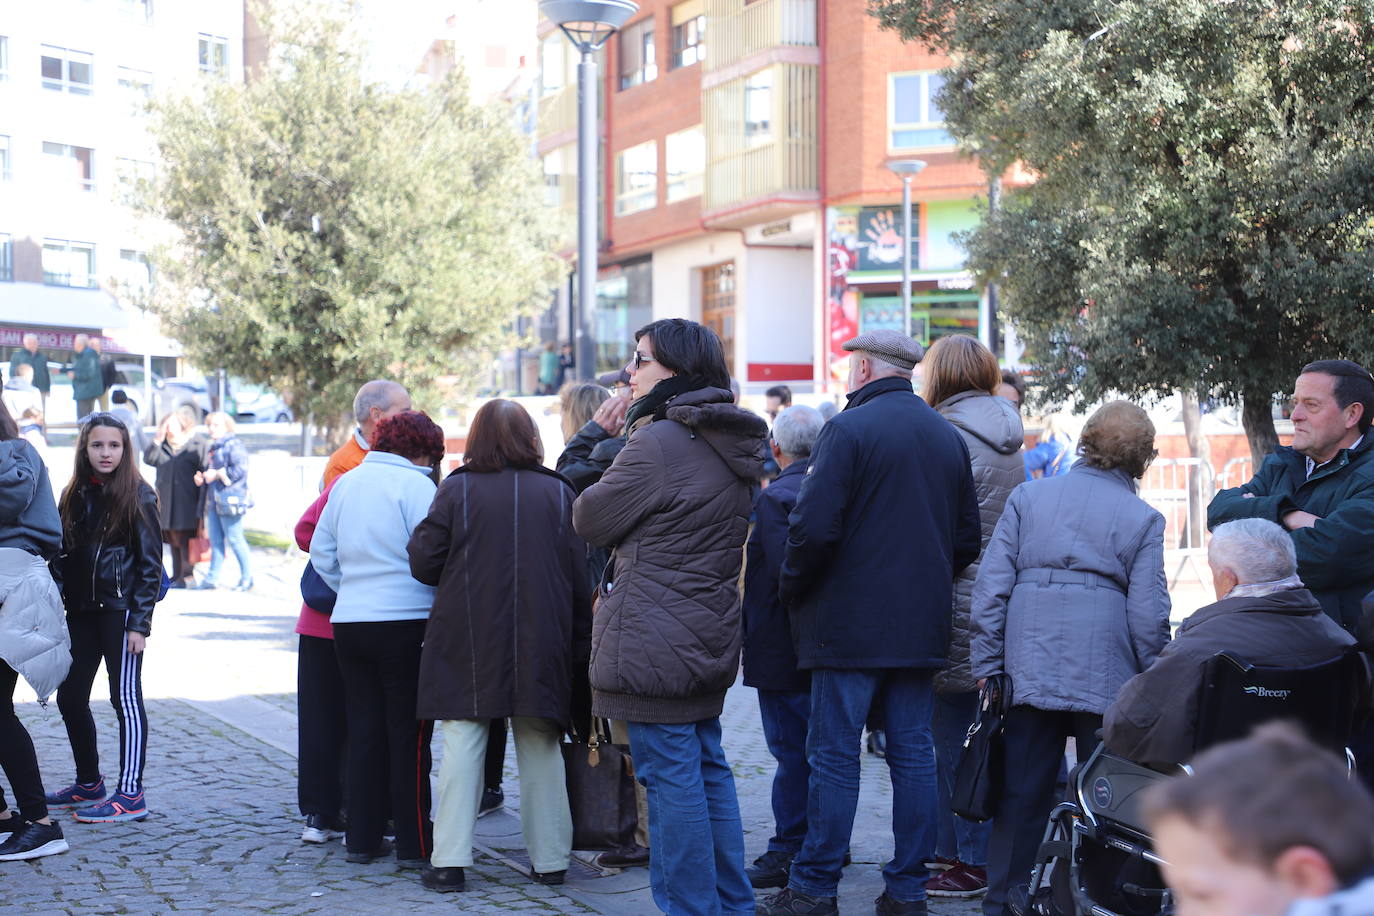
[331, 230]
[1202, 214]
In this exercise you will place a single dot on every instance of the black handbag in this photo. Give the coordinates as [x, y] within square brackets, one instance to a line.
[315, 593]
[978, 782]
[601, 791]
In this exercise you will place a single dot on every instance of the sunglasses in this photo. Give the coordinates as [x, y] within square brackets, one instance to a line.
[640, 359]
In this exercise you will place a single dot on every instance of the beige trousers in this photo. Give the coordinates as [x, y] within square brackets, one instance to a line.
[545, 818]
[620, 734]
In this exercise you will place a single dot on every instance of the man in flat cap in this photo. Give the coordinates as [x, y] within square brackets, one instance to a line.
[886, 518]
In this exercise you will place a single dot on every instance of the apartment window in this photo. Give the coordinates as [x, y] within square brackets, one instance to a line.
[553, 63]
[686, 161]
[4, 58]
[914, 120]
[137, 83]
[636, 178]
[71, 165]
[66, 70]
[689, 33]
[758, 108]
[718, 306]
[560, 176]
[139, 10]
[68, 263]
[214, 55]
[6, 257]
[4, 158]
[134, 270]
[637, 61]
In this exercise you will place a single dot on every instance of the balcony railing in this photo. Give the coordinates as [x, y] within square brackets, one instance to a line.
[745, 163]
[736, 28]
[558, 112]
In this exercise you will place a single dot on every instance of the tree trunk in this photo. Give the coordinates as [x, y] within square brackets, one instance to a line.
[1200, 479]
[1257, 414]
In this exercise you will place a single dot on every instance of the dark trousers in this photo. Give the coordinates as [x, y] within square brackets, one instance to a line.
[388, 748]
[17, 758]
[785, 715]
[495, 763]
[1034, 753]
[86, 406]
[183, 566]
[321, 728]
[97, 636]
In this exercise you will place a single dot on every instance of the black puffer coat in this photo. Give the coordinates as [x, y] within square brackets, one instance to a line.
[675, 506]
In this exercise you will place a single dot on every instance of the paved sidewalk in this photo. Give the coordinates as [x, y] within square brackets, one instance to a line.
[224, 833]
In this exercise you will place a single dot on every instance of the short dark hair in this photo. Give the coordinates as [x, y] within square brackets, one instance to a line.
[1268, 793]
[119, 397]
[1353, 384]
[782, 393]
[688, 348]
[502, 436]
[410, 434]
[1014, 379]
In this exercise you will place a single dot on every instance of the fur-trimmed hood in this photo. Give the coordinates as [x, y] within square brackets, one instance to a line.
[738, 436]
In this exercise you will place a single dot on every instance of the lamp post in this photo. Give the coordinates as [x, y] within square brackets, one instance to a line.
[906, 169]
[589, 24]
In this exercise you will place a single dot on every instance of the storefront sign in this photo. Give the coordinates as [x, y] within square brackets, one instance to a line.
[51, 340]
[879, 241]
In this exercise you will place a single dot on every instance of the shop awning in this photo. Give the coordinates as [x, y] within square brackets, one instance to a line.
[59, 306]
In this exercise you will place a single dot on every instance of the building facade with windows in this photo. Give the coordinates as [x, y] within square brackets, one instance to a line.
[74, 76]
[745, 151]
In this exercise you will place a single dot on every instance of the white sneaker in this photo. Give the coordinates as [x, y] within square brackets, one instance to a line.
[320, 829]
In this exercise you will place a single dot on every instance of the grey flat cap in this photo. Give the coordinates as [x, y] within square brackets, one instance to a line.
[893, 346]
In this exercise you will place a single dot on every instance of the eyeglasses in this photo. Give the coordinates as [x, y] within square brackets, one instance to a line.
[639, 360]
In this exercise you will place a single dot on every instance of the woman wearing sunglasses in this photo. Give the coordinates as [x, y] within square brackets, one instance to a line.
[666, 635]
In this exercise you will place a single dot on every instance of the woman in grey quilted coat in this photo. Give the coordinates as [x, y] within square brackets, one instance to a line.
[959, 379]
[1070, 603]
[33, 635]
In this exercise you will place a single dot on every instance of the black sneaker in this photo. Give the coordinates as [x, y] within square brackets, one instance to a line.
[384, 848]
[33, 841]
[443, 880]
[549, 877]
[492, 800]
[795, 903]
[320, 828]
[630, 857]
[11, 824]
[888, 905]
[771, 869]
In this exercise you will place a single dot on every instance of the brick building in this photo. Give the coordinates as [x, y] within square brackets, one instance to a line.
[745, 184]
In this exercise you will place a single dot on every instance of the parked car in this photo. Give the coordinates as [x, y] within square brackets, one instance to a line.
[258, 404]
[167, 394]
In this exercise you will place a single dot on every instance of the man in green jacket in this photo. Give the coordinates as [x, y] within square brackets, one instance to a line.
[1321, 488]
[32, 356]
[85, 375]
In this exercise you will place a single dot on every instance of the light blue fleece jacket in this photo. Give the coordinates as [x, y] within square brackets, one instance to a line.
[359, 546]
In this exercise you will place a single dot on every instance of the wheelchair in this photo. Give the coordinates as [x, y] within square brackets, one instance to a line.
[1097, 858]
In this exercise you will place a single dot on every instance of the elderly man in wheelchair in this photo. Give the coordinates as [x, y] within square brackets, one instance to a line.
[1264, 651]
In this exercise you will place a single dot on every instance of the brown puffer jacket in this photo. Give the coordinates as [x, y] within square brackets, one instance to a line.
[992, 430]
[675, 506]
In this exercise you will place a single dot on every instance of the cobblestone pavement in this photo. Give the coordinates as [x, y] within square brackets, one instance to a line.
[224, 833]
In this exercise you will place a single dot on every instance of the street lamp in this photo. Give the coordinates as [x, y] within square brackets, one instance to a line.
[588, 24]
[906, 169]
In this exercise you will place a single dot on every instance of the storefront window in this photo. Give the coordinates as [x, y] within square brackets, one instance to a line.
[624, 304]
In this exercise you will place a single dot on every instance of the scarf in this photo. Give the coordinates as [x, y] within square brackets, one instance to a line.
[656, 402]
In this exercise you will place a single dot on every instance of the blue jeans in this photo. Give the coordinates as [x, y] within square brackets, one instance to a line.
[697, 865]
[230, 528]
[840, 702]
[956, 838]
[785, 715]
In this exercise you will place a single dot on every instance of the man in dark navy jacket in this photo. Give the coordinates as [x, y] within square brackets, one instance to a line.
[887, 516]
[770, 661]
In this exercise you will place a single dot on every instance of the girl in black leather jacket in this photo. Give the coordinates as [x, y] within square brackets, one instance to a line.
[110, 569]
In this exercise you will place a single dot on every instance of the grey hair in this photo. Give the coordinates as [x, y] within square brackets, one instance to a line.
[796, 429]
[1255, 549]
[827, 409]
[882, 367]
[377, 393]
